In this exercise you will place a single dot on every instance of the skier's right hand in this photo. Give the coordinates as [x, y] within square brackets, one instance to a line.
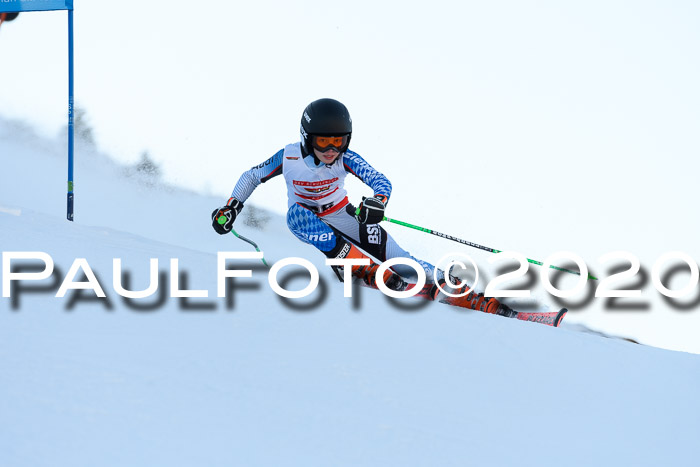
[222, 218]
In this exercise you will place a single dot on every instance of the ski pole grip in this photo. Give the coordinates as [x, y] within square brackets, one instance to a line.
[221, 220]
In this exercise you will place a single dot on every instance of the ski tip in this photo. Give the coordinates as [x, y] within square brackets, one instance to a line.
[560, 316]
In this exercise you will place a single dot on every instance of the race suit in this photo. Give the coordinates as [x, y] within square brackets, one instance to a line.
[319, 212]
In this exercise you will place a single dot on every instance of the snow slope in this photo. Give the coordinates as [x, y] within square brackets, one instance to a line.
[257, 382]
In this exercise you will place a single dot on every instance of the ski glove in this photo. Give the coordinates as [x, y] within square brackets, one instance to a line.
[222, 218]
[371, 211]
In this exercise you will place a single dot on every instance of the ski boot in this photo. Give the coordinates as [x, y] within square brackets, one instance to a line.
[472, 300]
[368, 273]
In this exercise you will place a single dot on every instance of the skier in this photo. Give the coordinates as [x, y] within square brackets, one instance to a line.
[319, 212]
[7, 17]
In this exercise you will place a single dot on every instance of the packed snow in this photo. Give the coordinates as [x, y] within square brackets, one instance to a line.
[253, 380]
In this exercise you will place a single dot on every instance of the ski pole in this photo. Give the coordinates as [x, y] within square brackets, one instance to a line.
[476, 245]
[222, 220]
[247, 240]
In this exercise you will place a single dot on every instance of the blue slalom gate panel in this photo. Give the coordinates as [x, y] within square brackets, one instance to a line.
[11, 6]
[15, 6]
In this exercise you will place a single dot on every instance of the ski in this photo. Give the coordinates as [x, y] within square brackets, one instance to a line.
[549, 318]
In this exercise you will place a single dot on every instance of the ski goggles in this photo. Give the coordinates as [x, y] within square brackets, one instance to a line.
[323, 143]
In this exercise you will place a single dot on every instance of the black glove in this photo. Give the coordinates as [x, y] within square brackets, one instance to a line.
[222, 218]
[371, 211]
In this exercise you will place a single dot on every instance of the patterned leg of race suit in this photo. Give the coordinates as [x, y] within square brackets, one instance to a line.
[327, 233]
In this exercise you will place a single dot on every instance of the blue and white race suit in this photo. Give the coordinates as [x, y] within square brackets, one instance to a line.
[318, 208]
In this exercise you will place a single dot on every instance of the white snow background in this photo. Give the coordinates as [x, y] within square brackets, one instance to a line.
[532, 127]
[263, 384]
[526, 126]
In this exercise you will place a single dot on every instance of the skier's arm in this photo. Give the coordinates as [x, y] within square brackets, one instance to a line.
[376, 180]
[250, 179]
[222, 218]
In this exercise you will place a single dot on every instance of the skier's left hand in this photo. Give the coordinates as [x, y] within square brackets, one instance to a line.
[371, 211]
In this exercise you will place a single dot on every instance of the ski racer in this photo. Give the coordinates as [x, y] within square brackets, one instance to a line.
[7, 17]
[319, 212]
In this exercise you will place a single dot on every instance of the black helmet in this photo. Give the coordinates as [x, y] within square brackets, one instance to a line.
[325, 117]
[8, 16]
